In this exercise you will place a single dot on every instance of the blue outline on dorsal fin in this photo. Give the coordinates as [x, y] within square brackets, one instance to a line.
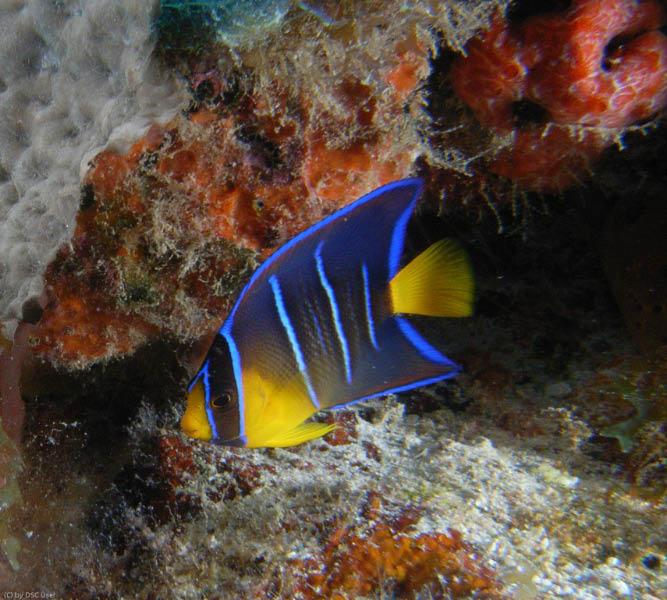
[397, 238]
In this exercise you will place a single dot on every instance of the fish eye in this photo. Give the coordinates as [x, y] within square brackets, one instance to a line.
[222, 402]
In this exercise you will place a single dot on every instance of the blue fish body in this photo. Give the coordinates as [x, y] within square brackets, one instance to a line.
[323, 323]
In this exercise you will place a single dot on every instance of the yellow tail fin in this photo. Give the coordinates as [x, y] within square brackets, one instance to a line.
[437, 283]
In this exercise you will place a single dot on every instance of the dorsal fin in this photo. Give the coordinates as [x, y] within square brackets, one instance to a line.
[373, 227]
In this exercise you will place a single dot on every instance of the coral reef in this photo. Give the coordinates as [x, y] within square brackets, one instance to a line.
[562, 86]
[189, 520]
[627, 400]
[167, 231]
[500, 483]
[381, 556]
[73, 78]
[278, 134]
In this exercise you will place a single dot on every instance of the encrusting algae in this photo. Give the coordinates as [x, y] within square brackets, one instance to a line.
[384, 556]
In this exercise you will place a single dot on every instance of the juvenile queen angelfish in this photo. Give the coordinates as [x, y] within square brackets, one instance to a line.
[323, 323]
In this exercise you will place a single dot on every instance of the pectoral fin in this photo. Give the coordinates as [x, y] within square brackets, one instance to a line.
[300, 434]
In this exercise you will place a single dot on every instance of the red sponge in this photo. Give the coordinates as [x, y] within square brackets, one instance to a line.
[564, 85]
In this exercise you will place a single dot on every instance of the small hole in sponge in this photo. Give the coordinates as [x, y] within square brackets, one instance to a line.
[87, 199]
[614, 48]
[527, 112]
[31, 311]
[524, 9]
[651, 561]
[204, 91]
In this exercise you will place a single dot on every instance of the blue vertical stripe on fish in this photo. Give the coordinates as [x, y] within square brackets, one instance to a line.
[238, 378]
[335, 312]
[370, 323]
[291, 336]
[398, 238]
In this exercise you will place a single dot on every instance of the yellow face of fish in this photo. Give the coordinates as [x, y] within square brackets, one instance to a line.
[273, 415]
[213, 411]
[195, 420]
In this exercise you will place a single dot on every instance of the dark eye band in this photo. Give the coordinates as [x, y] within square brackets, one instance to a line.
[223, 401]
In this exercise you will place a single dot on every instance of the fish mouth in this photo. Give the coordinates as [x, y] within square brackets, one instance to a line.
[188, 429]
[194, 431]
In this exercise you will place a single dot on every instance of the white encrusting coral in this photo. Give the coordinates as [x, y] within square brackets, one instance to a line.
[75, 76]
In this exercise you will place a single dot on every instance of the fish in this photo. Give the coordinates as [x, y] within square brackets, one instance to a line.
[325, 322]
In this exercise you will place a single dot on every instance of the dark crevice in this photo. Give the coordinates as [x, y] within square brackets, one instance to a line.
[613, 51]
[205, 91]
[634, 212]
[267, 151]
[31, 311]
[527, 113]
[521, 10]
[87, 199]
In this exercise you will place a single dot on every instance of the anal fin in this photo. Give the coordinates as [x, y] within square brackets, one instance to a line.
[300, 434]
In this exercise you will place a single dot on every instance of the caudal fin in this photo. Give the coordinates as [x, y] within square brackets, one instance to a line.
[437, 283]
